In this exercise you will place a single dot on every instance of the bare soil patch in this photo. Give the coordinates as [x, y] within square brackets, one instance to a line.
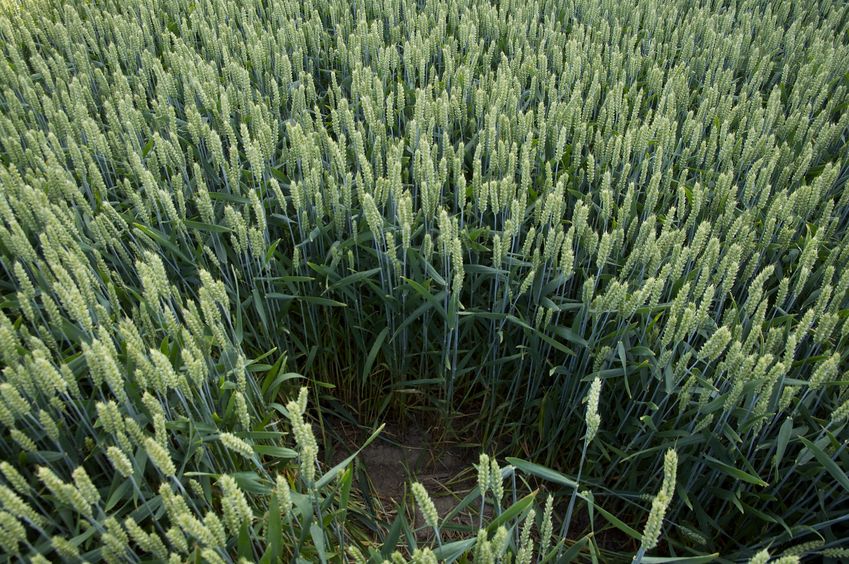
[400, 456]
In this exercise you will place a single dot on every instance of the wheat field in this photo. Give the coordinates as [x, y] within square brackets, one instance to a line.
[605, 241]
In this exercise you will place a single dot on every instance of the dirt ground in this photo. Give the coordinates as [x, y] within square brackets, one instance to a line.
[400, 456]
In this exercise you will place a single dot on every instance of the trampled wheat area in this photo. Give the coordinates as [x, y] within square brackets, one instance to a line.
[605, 241]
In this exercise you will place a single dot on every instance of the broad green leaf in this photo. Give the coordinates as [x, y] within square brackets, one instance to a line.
[317, 534]
[782, 440]
[449, 552]
[353, 278]
[375, 348]
[198, 226]
[318, 300]
[682, 559]
[513, 511]
[274, 530]
[390, 541]
[573, 551]
[735, 472]
[542, 472]
[245, 546]
[616, 522]
[830, 465]
[275, 451]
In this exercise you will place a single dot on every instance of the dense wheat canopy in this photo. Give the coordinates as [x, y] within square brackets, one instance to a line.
[609, 237]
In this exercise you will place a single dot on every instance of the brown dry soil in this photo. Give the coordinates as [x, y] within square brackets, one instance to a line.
[399, 456]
